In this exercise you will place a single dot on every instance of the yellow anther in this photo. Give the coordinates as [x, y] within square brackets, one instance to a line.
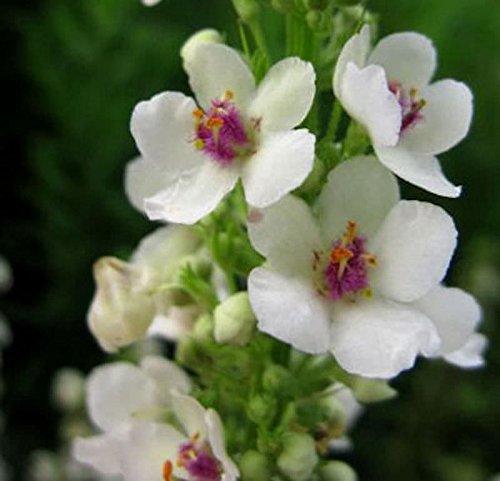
[215, 122]
[228, 95]
[350, 233]
[167, 471]
[198, 114]
[367, 293]
[370, 259]
[199, 144]
[340, 254]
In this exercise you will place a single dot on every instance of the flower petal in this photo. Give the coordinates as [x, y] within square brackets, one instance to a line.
[162, 128]
[379, 338]
[289, 309]
[291, 78]
[116, 391]
[447, 116]
[98, 452]
[216, 68]
[366, 97]
[287, 234]
[191, 414]
[218, 445]
[167, 376]
[414, 247]
[352, 186]
[175, 323]
[143, 178]
[282, 162]
[186, 199]
[149, 445]
[419, 169]
[470, 355]
[408, 58]
[355, 50]
[454, 312]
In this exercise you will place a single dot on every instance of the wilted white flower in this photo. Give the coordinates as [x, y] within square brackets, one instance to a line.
[409, 121]
[130, 298]
[192, 156]
[347, 282]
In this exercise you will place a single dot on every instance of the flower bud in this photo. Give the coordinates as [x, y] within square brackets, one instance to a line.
[371, 390]
[234, 320]
[122, 309]
[207, 35]
[298, 458]
[276, 379]
[68, 389]
[337, 471]
[261, 409]
[204, 328]
[320, 22]
[254, 466]
[248, 10]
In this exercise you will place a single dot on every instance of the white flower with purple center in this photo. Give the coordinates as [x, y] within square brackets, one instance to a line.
[409, 121]
[192, 154]
[348, 277]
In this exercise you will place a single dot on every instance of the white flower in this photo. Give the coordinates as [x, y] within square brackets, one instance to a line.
[352, 290]
[129, 300]
[204, 36]
[192, 450]
[409, 121]
[192, 156]
[150, 3]
[119, 396]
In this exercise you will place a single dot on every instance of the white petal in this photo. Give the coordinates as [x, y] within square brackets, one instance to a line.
[285, 96]
[379, 339]
[365, 95]
[191, 415]
[419, 169]
[414, 247]
[163, 128]
[161, 251]
[98, 452]
[187, 199]
[355, 50]
[143, 178]
[216, 68]
[167, 376]
[447, 116]
[408, 58]
[351, 187]
[287, 234]
[470, 355]
[143, 454]
[282, 162]
[150, 3]
[116, 391]
[217, 443]
[454, 312]
[175, 323]
[289, 309]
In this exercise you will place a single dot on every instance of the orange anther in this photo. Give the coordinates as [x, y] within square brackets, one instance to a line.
[351, 232]
[214, 122]
[198, 114]
[340, 254]
[167, 470]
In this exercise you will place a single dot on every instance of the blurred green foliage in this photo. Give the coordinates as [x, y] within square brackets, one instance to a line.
[84, 65]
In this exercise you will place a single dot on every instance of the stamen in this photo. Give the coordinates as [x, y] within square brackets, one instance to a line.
[167, 471]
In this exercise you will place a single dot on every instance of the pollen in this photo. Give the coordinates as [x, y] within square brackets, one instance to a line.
[198, 114]
[199, 144]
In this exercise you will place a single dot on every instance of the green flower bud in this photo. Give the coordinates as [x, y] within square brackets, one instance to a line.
[372, 390]
[337, 471]
[261, 409]
[276, 379]
[234, 320]
[298, 458]
[187, 352]
[283, 6]
[204, 328]
[248, 10]
[207, 35]
[321, 23]
[254, 466]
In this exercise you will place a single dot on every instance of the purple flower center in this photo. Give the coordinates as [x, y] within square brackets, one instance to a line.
[196, 457]
[222, 133]
[344, 271]
[411, 105]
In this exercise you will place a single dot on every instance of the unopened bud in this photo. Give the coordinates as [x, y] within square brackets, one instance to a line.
[122, 309]
[68, 389]
[298, 458]
[261, 409]
[276, 379]
[207, 35]
[320, 22]
[254, 466]
[372, 390]
[248, 10]
[234, 320]
[337, 471]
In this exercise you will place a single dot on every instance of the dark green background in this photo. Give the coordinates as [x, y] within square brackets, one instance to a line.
[72, 71]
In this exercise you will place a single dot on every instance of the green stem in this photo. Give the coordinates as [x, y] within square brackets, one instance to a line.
[333, 125]
[243, 38]
[260, 39]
